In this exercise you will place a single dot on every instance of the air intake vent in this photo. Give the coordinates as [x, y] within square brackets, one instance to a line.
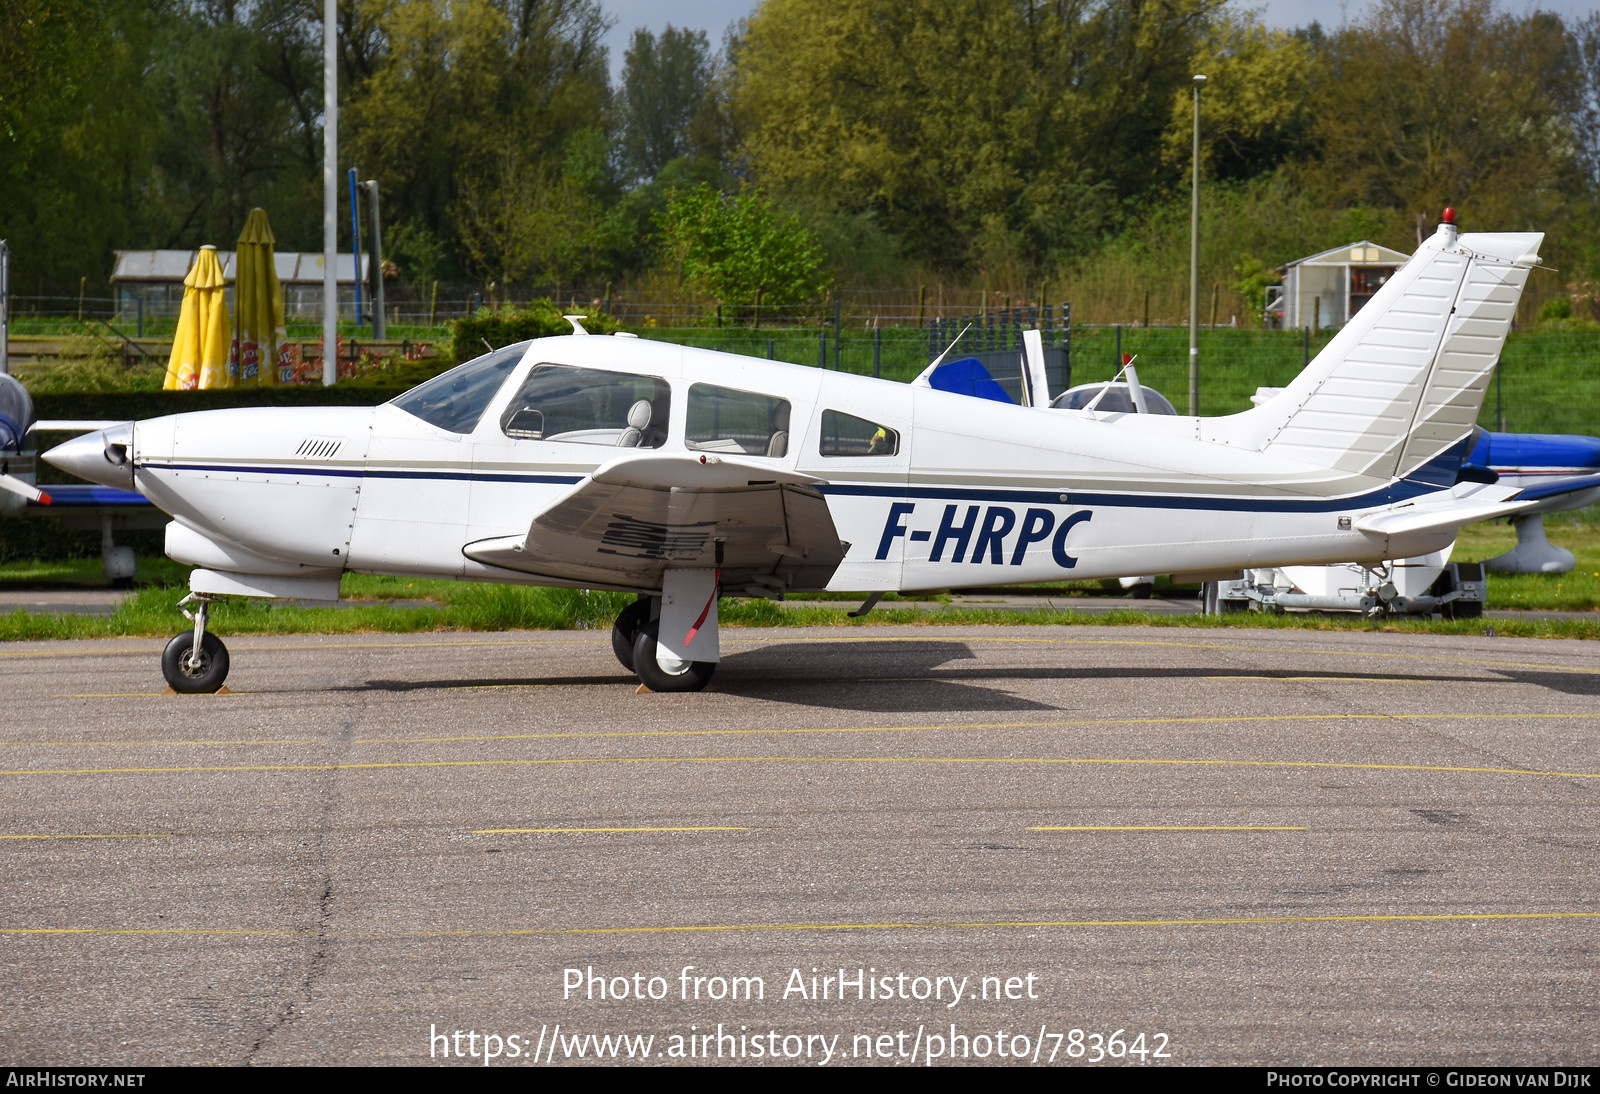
[319, 448]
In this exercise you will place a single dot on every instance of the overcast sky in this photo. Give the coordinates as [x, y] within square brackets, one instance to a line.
[713, 16]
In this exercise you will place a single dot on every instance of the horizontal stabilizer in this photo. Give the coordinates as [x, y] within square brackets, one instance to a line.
[1466, 504]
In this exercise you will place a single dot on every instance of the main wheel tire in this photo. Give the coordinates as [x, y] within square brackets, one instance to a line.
[201, 678]
[1464, 609]
[692, 677]
[625, 631]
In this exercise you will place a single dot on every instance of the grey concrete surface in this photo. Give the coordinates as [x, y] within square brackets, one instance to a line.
[105, 601]
[1295, 847]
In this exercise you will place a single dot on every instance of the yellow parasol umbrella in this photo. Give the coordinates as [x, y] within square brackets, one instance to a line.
[261, 347]
[200, 348]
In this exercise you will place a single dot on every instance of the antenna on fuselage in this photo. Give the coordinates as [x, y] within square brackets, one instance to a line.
[924, 377]
[1035, 379]
[1135, 392]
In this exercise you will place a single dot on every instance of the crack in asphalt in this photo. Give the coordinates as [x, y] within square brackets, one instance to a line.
[317, 965]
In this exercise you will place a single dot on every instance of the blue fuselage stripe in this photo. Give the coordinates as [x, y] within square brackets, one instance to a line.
[346, 473]
[1400, 491]
[1389, 495]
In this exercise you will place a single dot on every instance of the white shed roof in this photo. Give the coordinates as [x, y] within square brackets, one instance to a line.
[302, 267]
[1362, 253]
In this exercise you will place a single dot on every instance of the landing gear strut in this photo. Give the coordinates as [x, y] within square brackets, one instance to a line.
[670, 640]
[195, 662]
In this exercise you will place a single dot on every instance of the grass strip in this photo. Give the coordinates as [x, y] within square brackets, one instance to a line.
[152, 612]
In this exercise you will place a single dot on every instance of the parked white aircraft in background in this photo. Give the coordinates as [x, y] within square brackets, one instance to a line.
[76, 506]
[679, 473]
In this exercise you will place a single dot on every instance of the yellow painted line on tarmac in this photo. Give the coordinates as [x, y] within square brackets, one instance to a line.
[116, 694]
[1171, 643]
[1019, 761]
[529, 831]
[149, 930]
[95, 835]
[865, 925]
[1409, 681]
[1231, 921]
[1168, 828]
[149, 694]
[167, 744]
[791, 730]
[832, 639]
[245, 644]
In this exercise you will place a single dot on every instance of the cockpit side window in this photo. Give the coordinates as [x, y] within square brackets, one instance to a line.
[455, 400]
[589, 406]
[722, 419]
[847, 435]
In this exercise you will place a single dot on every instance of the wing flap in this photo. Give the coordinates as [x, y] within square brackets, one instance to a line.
[634, 518]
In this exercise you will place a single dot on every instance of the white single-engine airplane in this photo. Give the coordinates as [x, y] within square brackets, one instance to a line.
[679, 473]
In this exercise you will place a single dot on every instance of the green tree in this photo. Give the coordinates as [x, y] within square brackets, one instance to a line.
[1255, 109]
[1428, 103]
[666, 83]
[471, 107]
[531, 222]
[740, 249]
[998, 131]
[231, 136]
[76, 133]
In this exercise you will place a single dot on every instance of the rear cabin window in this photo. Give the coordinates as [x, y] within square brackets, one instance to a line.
[744, 423]
[847, 435]
[589, 406]
[455, 400]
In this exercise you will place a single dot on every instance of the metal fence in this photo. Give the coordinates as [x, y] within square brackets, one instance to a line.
[1548, 381]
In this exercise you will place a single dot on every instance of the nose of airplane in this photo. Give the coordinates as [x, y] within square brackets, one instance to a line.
[105, 457]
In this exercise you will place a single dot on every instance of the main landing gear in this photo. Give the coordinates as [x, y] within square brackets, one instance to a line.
[635, 639]
[195, 662]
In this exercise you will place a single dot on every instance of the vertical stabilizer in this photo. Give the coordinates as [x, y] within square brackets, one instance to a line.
[1405, 379]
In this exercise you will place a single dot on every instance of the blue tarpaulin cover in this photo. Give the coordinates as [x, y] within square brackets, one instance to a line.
[967, 376]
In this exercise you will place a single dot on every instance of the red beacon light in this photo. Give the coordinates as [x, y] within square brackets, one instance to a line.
[1449, 214]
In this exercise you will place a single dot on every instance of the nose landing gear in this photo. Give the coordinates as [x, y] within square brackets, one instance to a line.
[195, 662]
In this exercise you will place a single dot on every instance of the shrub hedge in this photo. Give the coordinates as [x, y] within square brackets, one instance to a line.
[540, 319]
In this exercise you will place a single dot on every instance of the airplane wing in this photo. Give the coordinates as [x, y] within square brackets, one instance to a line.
[68, 495]
[766, 528]
[74, 425]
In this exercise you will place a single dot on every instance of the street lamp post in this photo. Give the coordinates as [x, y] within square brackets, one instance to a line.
[1194, 263]
[330, 193]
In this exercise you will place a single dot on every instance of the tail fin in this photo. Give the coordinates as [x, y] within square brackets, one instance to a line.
[1404, 380]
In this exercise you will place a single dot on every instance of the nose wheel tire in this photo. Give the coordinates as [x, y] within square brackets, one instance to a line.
[685, 676]
[192, 672]
[625, 632]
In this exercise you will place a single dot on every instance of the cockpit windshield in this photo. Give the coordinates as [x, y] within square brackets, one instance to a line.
[455, 400]
[16, 413]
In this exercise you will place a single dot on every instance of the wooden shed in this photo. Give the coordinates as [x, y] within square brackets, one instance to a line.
[1324, 290]
[150, 283]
